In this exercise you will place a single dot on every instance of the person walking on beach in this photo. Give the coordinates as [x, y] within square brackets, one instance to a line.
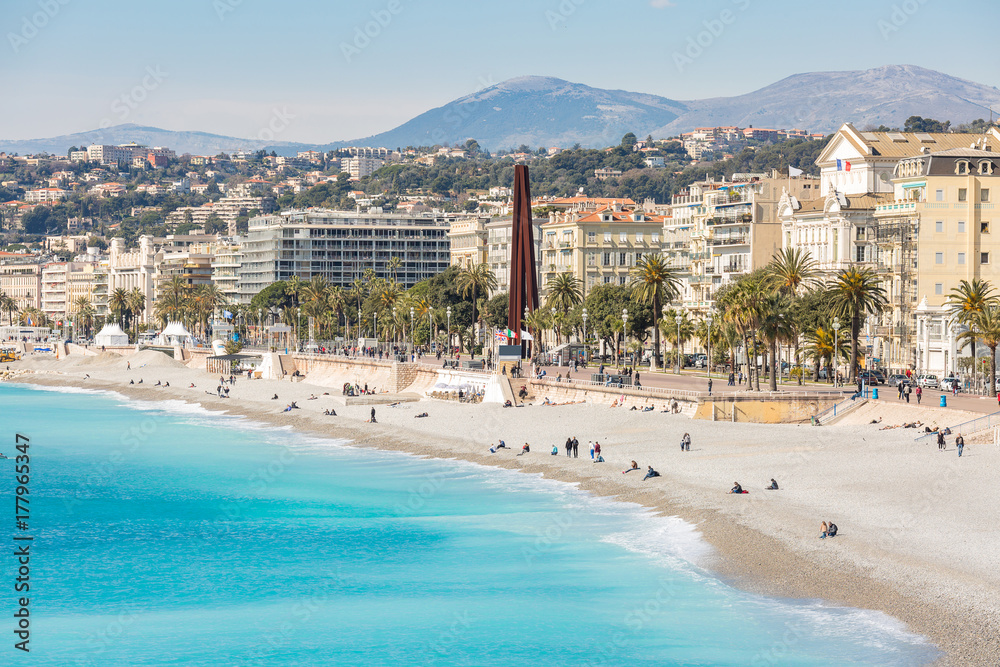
[129, 367]
[686, 443]
[576, 448]
[920, 393]
[591, 451]
[959, 444]
[597, 450]
[569, 447]
[372, 420]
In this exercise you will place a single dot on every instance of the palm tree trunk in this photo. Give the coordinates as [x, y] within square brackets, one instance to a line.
[773, 365]
[756, 373]
[993, 371]
[855, 331]
[656, 328]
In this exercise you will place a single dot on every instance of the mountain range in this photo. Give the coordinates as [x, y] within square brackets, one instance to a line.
[544, 111]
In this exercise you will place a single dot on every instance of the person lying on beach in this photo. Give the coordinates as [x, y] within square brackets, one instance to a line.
[87, 376]
[508, 404]
[293, 404]
[773, 487]
[166, 384]
[421, 415]
[648, 408]
[633, 409]
[158, 384]
[140, 380]
[546, 401]
[635, 466]
[131, 381]
[288, 408]
[876, 421]
[650, 473]
[736, 488]
[312, 397]
[274, 398]
[524, 450]
[191, 386]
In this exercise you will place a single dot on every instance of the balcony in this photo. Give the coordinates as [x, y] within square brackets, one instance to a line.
[741, 239]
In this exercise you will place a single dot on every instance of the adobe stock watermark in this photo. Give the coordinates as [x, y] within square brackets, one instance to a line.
[714, 29]
[278, 123]
[123, 105]
[223, 7]
[900, 16]
[32, 24]
[364, 34]
[562, 12]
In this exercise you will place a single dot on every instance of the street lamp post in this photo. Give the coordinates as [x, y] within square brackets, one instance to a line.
[836, 346]
[553, 310]
[584, 336]
[394, 325]
[624, 329]
[298, 327]
[412, 338]
[430, 327]
[678, 319]
[447, 352]
[708, 319]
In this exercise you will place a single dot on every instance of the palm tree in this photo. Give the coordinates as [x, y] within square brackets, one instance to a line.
[8, 305]
[135, 303]
[653, 283]
[970, 298]
[293, 287]
[205, 301]
[393, 265]
[477, 278]
[564, 291]
[775, 325]
[741, 305]
[790, 268]
[819, 346]
[84, 314]
[671, 329]
[854, 294]
[984, 326]
[173, 299]
[118, 304]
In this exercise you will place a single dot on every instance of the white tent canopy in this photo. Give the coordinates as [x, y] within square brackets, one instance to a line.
[175, 334]
[111, 334]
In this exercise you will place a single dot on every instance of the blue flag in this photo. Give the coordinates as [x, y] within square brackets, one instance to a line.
[226, 314]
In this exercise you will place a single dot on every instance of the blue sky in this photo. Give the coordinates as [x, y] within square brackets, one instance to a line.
[232, 66]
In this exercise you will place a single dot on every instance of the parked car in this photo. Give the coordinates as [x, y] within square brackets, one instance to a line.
[929, 381]
[869, 377]
[897, 379]
[880, 375]
[949, 383]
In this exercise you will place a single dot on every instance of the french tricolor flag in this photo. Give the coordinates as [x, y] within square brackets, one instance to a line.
[843, 165]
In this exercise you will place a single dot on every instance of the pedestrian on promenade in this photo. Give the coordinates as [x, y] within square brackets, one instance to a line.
[732, 379]
[709, 386]
[920, 394]
[959, 444]
[906, 392]
[940, 441]
[899, 388]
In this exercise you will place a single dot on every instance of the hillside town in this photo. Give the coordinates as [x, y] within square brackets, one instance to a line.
[914, 207]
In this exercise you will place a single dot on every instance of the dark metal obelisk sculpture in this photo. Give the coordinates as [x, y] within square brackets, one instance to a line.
[523, 274]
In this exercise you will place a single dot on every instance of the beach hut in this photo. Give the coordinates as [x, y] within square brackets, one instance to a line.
[175, 334]
[111, 335]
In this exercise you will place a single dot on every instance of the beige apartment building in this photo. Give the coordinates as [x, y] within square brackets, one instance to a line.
[718, 231]
[64, 283]
[21, 279]
[468, 242]
[941, 229]
[599, 247]
[498, 240]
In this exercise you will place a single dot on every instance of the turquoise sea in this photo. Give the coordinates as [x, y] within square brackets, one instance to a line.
[169, 535]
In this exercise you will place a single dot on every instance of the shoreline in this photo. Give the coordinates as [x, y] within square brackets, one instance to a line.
[745, 555]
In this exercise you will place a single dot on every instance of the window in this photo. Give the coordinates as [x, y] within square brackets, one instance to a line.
[962, 167]
[591, 237]
[984, 195]
[939, 288]
[859, 255]
[656, 238]
[836, 245]
[984, 258]
[861, 233]
[939, 195]
[963, 194]
[939, 227]
[939, 258]
[961, 226]
[984, 227]
[622, 259]
[638, 237]
[607, 259]
[607, 237]
[622, 279]
[961, 258]
[623, 237]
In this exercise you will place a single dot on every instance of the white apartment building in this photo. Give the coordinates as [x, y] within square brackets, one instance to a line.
[45, 195]
[359, 167]
[341, 245]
